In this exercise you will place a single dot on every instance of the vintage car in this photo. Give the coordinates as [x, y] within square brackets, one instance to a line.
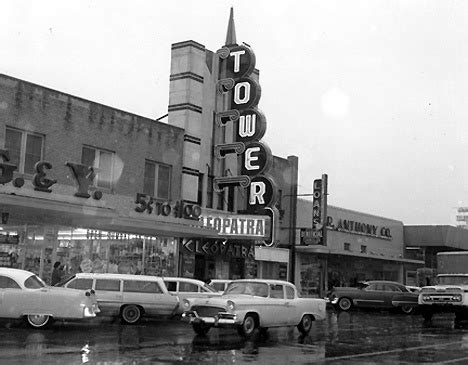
[219, 284]
[188, 288]
[374, 294]
[128, 296]
[25, 295]
[250, 304]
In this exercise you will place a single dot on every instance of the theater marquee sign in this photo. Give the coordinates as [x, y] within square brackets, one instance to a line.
[242, 93]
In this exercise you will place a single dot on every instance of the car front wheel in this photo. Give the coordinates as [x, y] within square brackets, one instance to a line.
[130, 314]
[38, 320]
[248, 327]
[200, 328]
[407, 309]
[345, 304]
[305, 325]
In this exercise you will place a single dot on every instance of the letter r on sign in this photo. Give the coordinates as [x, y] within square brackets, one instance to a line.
[257, 191]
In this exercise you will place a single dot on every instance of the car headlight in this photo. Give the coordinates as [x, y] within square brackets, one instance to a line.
[457, 298]
[426, 298]
[231, 307]
[186, 304]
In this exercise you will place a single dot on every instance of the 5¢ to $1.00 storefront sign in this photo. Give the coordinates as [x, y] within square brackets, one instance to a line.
[178, 209]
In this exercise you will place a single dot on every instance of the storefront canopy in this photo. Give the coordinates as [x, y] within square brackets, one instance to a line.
[318, 249]
[436, 236]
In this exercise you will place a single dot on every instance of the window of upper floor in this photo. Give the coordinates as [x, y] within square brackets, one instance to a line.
[347, 246]
[157, 180]
[104, 163]
[25, 149]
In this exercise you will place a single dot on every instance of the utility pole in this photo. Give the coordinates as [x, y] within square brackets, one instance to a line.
[293, 162]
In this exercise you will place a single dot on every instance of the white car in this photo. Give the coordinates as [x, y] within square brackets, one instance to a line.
[249, 304]
[219, 284]
[128, 296]
[188, 288]
[25, 295]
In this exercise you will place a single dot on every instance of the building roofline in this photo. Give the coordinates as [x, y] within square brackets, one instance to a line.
[86, 100]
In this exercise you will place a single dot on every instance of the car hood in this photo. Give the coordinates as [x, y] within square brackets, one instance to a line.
[444, 288]
[223, 299]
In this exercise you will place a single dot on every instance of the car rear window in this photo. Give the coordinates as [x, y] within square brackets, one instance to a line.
[8, 283]
[141, 286]
[107, 284]
[33, 282]
[81, 284]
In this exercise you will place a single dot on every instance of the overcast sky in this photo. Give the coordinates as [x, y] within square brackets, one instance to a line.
[372, 93]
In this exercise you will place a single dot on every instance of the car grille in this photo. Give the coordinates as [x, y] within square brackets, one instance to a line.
[207, 311]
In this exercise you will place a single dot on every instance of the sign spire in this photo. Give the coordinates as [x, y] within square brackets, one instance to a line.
[231, 31]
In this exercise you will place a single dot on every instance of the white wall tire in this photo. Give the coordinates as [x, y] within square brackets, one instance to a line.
[130, 314]
[38, 320]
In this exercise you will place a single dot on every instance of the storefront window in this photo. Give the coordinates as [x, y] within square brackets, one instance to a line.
[36, 248]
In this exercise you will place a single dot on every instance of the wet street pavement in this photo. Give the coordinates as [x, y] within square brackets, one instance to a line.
[343, 338]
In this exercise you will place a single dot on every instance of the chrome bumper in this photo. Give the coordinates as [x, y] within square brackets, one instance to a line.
[223, 319]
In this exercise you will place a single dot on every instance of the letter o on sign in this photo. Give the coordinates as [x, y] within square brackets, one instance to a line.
[245, 94]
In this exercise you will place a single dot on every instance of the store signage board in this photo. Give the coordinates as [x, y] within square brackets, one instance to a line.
[254, 226]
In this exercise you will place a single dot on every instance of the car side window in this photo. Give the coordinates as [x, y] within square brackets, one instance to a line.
[107, 284]
[289, 293]
[391, 288]
[8, 283]
[188, 287]
[276, 291]
[219, 286]
[141, 286]
[379, 287]
[171, 285]
[81, 284]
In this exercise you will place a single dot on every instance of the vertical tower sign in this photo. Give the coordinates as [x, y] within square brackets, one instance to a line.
[237, 65]
[319, 210]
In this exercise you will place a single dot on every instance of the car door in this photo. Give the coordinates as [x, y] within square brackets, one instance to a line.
[13, 299]
[371, 296]
[108, 295]
[390, 291]
[274, 310]
[149, 295]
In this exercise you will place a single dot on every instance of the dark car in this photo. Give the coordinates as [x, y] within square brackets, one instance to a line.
[374, 294]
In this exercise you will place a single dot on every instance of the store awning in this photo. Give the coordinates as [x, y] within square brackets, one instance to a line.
[319, 249]
[36, 211]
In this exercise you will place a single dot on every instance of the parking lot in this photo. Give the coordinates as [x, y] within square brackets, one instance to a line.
[354, 337]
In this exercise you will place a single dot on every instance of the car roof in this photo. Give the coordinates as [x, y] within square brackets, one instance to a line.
[91, 275]
[267, 281]
[189, 280]
[382, 282]
[18, 274]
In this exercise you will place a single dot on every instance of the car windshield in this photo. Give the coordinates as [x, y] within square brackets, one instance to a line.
[34, 282]
[453, 280]
[248, 288]
[209, 288]
[362, 285]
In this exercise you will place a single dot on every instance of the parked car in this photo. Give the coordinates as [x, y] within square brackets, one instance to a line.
[374, 294]
[187, 287]
[219, 284]
[414, 289]
[25, 295]
[249, 304]
[127, 296]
